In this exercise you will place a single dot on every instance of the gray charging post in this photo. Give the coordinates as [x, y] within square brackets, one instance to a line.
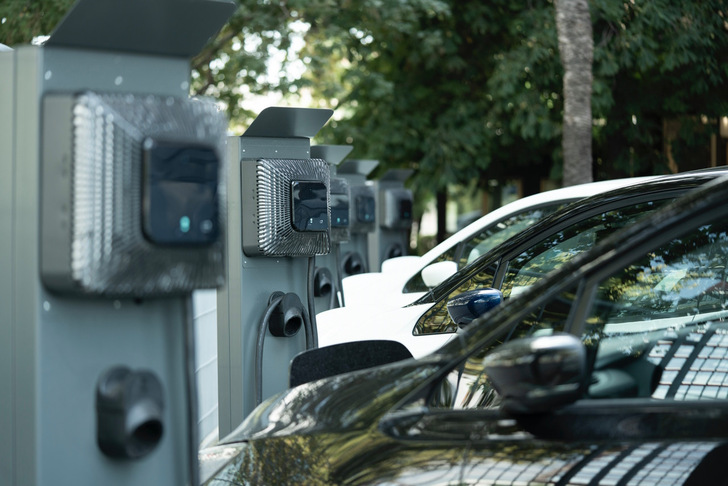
[100, 149]
[394, 218]
[327, 278]
[362, 209]
[278, 221]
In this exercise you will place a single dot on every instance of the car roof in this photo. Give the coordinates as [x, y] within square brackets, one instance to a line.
[662, 184]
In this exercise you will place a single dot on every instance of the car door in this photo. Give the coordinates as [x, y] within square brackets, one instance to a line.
[654, 326]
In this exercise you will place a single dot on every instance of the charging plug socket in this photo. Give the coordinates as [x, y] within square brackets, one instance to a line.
[129, 413]
[322, 282]
[287, 318]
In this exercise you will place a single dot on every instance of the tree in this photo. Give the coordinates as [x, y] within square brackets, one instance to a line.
[430, 85]
[654, 63]
[576, 46]
[465, 90]
[21, 21]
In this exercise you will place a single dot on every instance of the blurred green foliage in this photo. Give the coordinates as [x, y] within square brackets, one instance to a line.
[465, 90]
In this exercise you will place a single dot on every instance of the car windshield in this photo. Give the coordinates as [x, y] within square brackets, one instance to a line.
[484, 241]
[656, 328]
[496, 234]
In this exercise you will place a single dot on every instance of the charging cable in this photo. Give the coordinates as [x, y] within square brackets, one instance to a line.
[284, 317]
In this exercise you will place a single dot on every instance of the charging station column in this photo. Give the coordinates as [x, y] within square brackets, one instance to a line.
[327, 287]
[394, 201]
[363, 215]
[278, 221]
[110, 201]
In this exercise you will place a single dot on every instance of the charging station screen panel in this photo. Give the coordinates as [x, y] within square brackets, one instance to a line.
[310, 210]
[365, 207]
[285, 207]
[397, 209]
[124, 178]
[339, 211]
[180, 194]
[405, 209]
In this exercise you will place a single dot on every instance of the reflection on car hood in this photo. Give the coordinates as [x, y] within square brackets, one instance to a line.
[352, 401]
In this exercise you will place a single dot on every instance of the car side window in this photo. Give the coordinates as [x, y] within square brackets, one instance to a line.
[467, 386]
[658, 327]
[494, 235]
[534, 263]
[484, 241]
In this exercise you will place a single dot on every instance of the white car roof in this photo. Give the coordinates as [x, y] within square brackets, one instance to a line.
[563, 194]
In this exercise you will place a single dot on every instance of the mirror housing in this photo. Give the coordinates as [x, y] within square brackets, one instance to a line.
[433, 275]
[538, 374]
[465, 307]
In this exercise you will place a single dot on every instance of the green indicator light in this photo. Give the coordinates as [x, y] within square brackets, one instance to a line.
[184, 224]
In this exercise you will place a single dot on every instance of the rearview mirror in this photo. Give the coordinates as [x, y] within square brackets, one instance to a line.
[538, 374]
[433, 275]
[465, 307]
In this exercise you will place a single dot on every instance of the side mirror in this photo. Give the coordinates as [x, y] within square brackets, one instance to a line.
[433, 275]
[472, 304]
[538, 374]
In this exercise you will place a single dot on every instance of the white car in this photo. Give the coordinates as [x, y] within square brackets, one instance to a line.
[404, 279]
[426, 324]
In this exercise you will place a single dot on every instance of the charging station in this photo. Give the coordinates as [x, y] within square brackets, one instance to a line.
[278, 221]
[327, 287]
[111, 198]
[363, 216]
[394, 219]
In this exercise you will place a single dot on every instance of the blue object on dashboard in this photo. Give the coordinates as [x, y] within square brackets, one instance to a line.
[472, 304]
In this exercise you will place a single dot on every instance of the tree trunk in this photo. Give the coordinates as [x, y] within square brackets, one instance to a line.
[441, 198]
[576, 46]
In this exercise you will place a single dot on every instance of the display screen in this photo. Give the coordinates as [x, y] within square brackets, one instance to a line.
[339, 210]
[405, 209]
[180, 194]
[309, 201]
[365, 206]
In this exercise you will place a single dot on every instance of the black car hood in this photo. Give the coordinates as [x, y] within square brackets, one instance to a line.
[352, 401]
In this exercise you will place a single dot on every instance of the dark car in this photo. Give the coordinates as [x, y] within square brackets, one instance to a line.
[612, 370]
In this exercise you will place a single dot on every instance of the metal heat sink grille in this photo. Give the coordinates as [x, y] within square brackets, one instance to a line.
[276, 235]
[109, 252]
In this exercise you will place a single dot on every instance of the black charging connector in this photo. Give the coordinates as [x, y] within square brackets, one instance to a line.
[323, 282]
[286, 318]
[394, 250]
[129, 413]
[353, 264]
